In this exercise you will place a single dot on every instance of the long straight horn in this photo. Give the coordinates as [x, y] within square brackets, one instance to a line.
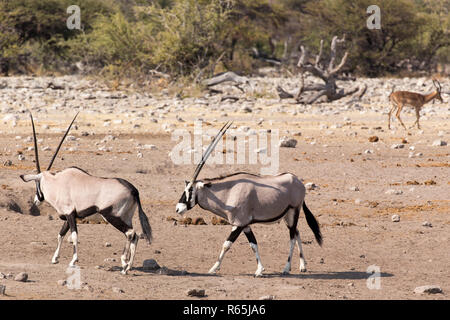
[36, 155]
[62, 140]
[210, 148]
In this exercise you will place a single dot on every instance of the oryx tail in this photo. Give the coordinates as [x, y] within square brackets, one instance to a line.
[145, 225]
[312, 223]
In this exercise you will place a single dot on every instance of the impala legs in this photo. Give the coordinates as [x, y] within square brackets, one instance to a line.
[417, 118]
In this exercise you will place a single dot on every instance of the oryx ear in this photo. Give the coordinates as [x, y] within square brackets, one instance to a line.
[29, 177]
[186, 183]
[201, 184]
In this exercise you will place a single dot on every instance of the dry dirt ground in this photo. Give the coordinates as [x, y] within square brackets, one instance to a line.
[356, 225]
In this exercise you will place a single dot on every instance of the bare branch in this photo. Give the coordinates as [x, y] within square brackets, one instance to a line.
[316, 64]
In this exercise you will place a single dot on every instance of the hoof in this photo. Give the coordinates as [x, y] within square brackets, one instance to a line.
[55, 261]
[303, 270]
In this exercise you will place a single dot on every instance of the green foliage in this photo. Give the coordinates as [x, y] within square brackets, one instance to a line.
[190, 39]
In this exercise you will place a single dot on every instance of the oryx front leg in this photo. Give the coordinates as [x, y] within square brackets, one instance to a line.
[235, 232]
[71, 219]
[254, 245]
[61, 235]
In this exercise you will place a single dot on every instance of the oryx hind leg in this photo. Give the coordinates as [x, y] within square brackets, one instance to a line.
[61, 235]
[254, 245]
[235, 232]
[124, 225]
[291, 219]
[71, 219]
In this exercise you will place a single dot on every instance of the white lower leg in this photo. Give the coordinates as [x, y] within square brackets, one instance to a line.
[302, 260]
[58, 248]
[75, 249]
[287, 268]
[133, 246]
[260, 268]
[126, 251]
[226, 246]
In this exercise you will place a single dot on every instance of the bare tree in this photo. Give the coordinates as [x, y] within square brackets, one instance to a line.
[329, 74]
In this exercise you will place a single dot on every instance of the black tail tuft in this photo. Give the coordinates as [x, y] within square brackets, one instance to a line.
[312, 223]
[145, 225]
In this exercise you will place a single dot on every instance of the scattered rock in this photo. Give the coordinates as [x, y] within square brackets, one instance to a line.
[107, 244]
[427, 224]
[61, 282]
[286, 142]
[354, 188]
[395, 218]
[268, 297]
[150, 265]
[22, 277]
[196, 293]
[117, 290]
[439, 143]
[397, 146]
[373, 139]
[429, 182]
[310, 186]
[430, 289]
[7, 163]
[395, 192]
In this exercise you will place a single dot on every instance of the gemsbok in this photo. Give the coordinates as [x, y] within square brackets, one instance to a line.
[413, 99]
[74, 193]
[244, 199]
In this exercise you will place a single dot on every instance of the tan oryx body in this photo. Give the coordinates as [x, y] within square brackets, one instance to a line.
[74, 193]
[244, 199]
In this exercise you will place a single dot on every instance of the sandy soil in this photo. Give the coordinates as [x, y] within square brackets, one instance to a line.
[356, 225]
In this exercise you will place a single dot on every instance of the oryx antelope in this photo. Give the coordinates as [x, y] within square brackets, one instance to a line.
[74, 193]
[399, 99]
[244, 199]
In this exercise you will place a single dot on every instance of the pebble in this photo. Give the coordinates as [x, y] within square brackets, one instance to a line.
[196, 293]
[392, 191]
[395, 218]
[439, 143]
[61, 282]
[107, 244]
[430, 289]
[286, 142]
[117, 290]
[268, 297]
[397, 146]
[150, 265]
[427, 224]
[22, 277]
[310, 186]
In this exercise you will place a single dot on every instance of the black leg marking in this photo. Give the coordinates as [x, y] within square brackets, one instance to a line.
[235, 234]
[293, 228]
[118, 223]
[250, 236]
[71, 219]
[65, 227]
